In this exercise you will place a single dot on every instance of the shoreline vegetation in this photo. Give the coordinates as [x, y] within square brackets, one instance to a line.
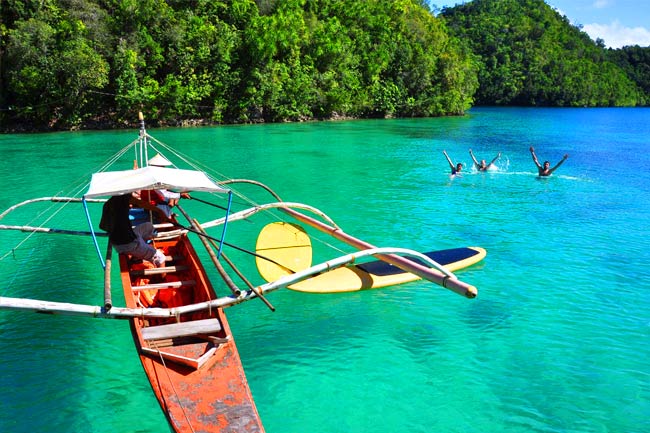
[93, 64]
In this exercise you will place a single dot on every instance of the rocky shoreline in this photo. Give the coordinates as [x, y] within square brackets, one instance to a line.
[107, 124]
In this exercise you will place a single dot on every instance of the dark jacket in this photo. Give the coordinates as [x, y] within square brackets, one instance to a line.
[115, 220]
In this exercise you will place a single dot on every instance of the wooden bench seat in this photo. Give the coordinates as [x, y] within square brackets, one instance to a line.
[182, 329]
[157, 271]
[168, 285]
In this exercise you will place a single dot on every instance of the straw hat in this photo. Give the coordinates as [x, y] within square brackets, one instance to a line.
[159, 161]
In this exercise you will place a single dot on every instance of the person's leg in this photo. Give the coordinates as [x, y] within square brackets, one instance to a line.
[145, 230]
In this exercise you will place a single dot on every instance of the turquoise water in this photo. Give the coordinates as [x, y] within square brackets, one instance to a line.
[557, 340]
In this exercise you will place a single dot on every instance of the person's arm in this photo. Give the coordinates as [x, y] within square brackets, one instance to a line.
[559, 163]
[173, 198]
[532, 152]
[473, 158]
[494, 160]
[169, 195]
[451, 164]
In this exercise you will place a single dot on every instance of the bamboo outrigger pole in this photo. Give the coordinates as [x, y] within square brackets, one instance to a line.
[205, 239]
[213, 256]
[49, 307]
[108, 303]
[405, 264]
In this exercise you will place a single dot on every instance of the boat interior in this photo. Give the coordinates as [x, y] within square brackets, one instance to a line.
[189, 340]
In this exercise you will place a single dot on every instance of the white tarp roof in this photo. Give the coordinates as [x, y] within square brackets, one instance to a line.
[151, 177]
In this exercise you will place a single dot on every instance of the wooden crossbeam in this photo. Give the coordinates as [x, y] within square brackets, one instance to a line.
[157, 271]
[169, 285]
[182, 329]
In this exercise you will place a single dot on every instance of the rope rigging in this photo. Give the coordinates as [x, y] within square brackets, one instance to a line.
[155, 145]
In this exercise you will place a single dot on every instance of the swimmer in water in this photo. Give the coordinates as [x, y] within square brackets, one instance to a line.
[545, 169]
[455, 169]
[482, 166]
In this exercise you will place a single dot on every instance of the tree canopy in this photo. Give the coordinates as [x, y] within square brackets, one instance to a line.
[531, 55]
[67, 63]
[635, 61]
[78, 63]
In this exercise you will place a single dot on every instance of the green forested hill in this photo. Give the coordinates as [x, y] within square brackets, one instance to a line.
[531, 55]
[68, 62]
[84, 63]
[635, 61]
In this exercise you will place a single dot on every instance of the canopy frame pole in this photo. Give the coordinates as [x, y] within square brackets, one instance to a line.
[225, 224]
[206, 239]
[92, 232]
[215, 259]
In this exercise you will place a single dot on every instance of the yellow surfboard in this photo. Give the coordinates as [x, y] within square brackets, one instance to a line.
[289, 245]
[376, 274]
[284, 243]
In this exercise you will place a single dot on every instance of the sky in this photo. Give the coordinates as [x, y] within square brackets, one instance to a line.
[617, 22]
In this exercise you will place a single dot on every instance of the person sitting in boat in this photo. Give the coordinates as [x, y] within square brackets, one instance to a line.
[545, 169]
[482, 166]
[162, 198]
[125, 238]
[455, 169]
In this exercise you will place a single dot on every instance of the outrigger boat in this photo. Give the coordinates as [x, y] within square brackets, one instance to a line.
[177, 320]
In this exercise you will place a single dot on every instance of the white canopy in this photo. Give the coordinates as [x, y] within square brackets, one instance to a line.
[151, 177]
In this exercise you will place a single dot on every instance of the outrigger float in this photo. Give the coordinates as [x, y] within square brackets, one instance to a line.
[177, 320]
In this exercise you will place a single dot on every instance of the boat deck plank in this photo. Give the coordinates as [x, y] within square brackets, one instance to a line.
[182, 329]
[156, 271]
[167, 285]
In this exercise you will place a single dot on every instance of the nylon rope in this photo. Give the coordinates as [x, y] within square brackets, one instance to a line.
[22, 265]
[78, 186]
[196, 164]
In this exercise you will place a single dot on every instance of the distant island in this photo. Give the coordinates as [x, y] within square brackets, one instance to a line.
[93, 64]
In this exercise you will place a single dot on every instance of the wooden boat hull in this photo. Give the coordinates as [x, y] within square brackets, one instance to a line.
[193, 365]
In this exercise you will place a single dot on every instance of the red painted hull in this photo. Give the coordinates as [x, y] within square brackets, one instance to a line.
[198, 379]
